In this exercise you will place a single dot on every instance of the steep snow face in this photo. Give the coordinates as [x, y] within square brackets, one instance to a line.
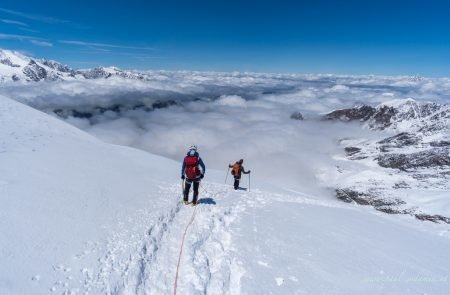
[62, 189]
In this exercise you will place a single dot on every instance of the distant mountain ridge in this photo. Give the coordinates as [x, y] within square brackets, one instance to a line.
[15, 66]
[400, 115]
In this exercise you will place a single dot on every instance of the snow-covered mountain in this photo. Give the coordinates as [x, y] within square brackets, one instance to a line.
[398, 115]
[413, 157]
[15, 66]
[81, 216]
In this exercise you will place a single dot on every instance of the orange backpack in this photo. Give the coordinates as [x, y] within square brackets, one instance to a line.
[236, 168]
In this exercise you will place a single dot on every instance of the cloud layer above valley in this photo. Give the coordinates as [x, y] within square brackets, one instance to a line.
[228, 115]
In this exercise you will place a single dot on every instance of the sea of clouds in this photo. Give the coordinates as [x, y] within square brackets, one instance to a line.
[228, 116]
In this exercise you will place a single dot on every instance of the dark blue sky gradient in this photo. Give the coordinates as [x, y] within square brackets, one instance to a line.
[346, 37]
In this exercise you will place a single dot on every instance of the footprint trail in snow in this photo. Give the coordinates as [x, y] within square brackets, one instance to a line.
[140, 257]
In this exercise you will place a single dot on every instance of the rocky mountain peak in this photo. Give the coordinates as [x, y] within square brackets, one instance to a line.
[401, 115]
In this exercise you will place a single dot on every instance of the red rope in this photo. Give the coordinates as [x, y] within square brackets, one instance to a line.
[181, 251]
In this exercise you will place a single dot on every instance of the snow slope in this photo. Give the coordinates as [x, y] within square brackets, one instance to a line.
[61, 188]
[81, 216]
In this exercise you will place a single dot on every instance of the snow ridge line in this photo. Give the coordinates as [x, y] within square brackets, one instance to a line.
[181, 250]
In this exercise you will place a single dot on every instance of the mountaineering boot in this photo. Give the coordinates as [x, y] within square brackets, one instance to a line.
[195, 198]
[236, 183]
[186, 195]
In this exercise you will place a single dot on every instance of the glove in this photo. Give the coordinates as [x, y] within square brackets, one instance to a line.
[183, 177]
[249, 171]
[201, 176]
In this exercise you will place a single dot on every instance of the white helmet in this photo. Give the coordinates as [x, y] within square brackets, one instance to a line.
[193, 148]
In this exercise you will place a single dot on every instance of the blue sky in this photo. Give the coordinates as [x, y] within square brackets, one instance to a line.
[351, 37]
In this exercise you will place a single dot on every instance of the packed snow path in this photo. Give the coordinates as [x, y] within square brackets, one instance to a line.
[221, 254]
[141, 256]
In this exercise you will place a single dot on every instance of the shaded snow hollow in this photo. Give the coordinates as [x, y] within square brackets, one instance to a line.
[79, 215]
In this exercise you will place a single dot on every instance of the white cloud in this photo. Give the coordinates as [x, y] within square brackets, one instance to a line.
[26, 29]
[13, 22]
[35, 17]
[231, 100]
[95, 44]
[31, 39]
[41, 43]
[340, 88]
[228, 115]
[16, 37]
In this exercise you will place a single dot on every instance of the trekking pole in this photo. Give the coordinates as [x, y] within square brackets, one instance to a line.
[182, 187]
[226, 178]
[249, 176]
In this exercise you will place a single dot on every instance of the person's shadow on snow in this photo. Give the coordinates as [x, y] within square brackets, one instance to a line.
[207, 201]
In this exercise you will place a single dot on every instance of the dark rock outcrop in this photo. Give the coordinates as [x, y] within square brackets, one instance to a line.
[432, 218]
[7, 61]
[34, 72]
[382, 117]
[163, 104]
[387, 205]
[437, 157]
[377, 118]
[399, 141]
[441, 143]
[401, 185]
[361, 113]
[297, 116]
[96, 73]
[56, 66]
[351, 150]
[92, 111]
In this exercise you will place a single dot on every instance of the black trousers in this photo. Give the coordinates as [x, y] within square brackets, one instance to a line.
[187, 188]
[236, 182]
